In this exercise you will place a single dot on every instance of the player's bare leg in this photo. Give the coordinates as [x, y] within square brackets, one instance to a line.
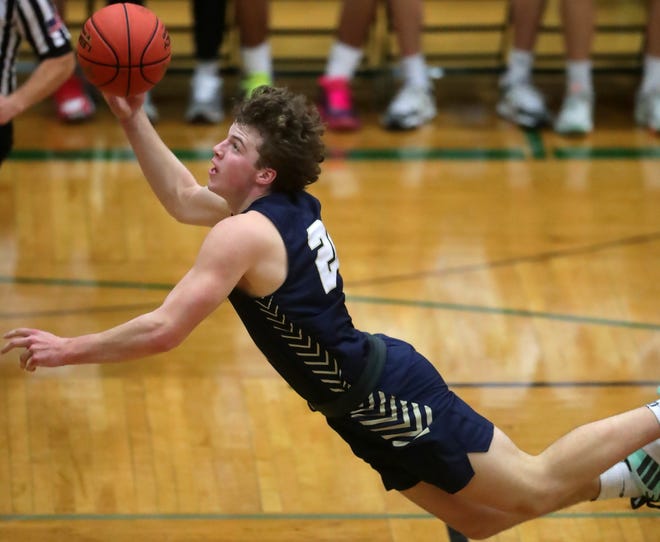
[511, 486]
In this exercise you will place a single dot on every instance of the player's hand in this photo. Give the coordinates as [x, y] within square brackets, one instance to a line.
[124, 108]
[40, 348]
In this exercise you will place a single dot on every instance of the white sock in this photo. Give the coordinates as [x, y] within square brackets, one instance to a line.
[617, 482]
[207, 68]
[343, 61]
[413, 68]
[578, 76]
[655, 408]
[257, 59]
[519, 67]
[651, 77]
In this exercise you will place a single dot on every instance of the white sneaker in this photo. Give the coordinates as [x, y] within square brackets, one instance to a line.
[523, 104]
[205, 103]
[150, 109]
[647, 110]
[576, 114]
[410, 108]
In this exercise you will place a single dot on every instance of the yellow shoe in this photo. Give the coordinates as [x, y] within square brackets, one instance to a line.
[254, 81]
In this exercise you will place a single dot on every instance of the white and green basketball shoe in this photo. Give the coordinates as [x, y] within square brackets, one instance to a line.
[645, 467]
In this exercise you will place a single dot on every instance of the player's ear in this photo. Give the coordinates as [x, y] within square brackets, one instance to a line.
[266, 176]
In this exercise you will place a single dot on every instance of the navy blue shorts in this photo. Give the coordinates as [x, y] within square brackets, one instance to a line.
[412, 428]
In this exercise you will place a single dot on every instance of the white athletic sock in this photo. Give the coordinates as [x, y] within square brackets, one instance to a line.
[618, 482]
[651, 77]
[655, 408]
[257, 59]
[207, 68]
[519, 67]
[206, 81]
[413, 68]
[578, 76]
[343, 61]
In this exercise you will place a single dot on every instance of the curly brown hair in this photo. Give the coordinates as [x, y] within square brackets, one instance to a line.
[292, 132]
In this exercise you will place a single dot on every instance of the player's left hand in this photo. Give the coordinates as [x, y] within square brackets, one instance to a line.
[41, 349]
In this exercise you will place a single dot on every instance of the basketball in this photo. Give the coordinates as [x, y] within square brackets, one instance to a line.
[124, 49]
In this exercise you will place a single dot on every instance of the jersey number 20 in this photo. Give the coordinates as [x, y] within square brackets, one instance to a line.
[326, 256]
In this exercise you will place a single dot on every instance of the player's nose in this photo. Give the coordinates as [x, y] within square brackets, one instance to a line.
[218, 149]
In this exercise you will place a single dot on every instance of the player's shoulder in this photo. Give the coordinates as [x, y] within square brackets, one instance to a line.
[244, 240]
[244, 227]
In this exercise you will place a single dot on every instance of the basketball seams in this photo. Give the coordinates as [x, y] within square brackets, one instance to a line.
[144, 51]
[129, 45]
[110, 47]
[97, 29]
[128, 58]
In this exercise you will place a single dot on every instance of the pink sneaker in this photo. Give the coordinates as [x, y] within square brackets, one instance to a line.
[72, 102]
[336, 104]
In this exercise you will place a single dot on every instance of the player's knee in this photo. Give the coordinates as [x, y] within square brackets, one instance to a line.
[534, 503]
[533, 508]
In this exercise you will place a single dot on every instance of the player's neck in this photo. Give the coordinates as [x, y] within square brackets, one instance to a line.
[239, 207]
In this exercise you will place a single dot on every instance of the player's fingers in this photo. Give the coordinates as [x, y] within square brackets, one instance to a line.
[22, 342]
[29, 366]
[18, 332]
[118, 107]
[25, 359]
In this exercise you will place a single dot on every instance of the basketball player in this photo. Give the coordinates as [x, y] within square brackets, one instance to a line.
[39, 22]
[270, 254]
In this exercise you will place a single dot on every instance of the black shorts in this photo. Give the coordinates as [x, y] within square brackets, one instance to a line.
[412, 428]
[6, 140]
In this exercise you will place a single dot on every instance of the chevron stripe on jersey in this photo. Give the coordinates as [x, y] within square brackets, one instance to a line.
[394, 419]
[319, 361]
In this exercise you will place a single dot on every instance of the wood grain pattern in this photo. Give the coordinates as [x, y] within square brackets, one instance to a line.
[525, 265]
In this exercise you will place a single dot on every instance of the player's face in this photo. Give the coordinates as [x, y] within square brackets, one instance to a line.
[234, 161]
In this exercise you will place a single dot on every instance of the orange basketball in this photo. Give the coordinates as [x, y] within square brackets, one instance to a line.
[124, 49]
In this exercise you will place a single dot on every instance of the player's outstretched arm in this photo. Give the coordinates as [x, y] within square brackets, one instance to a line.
[174, 185]
[160, 330]
[231, 250]
[152, 333]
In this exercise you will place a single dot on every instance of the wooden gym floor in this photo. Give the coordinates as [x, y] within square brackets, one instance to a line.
[524, 264]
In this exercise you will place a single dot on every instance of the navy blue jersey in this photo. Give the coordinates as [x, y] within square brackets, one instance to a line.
[408, 426]
[304, 328]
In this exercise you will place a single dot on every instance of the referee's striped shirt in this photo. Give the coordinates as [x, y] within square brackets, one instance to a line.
[38, 22]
